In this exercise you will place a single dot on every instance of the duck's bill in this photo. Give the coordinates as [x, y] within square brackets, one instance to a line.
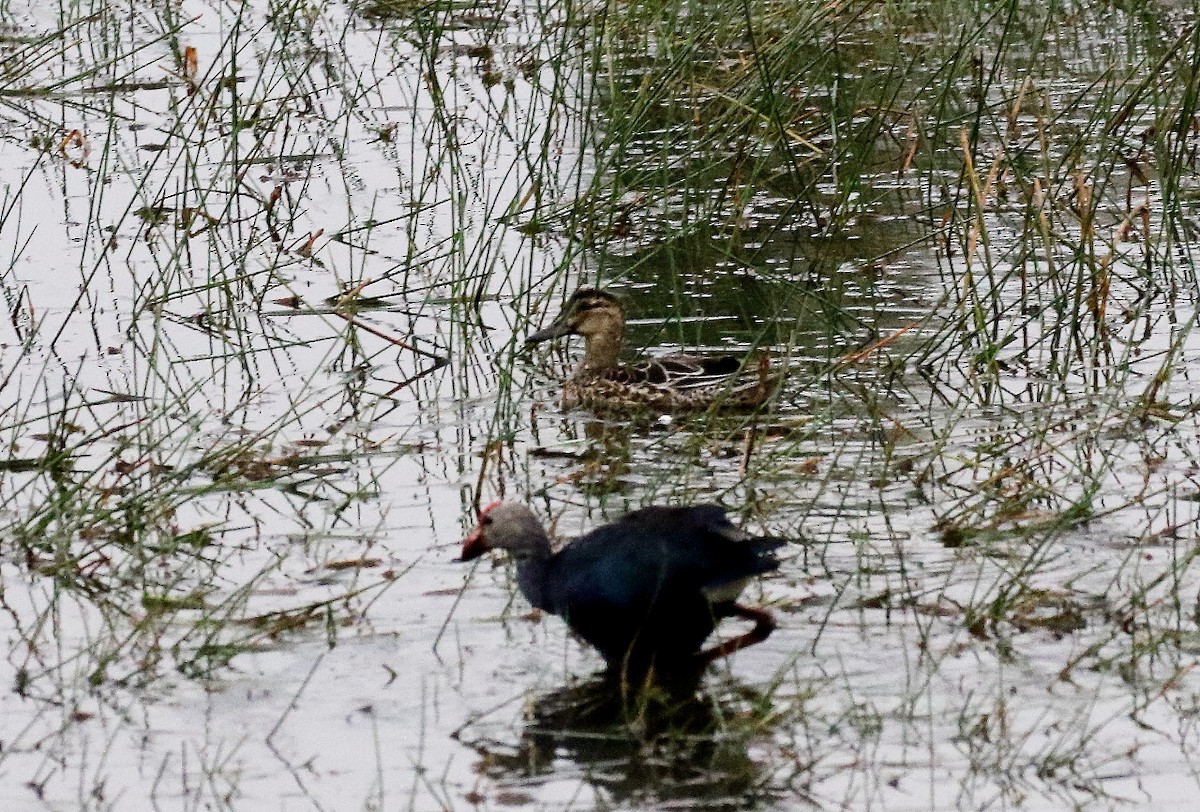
[474, 545]
[555, 330]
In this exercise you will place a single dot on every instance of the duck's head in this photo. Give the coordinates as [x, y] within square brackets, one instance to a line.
[506, 526]
[589, 313]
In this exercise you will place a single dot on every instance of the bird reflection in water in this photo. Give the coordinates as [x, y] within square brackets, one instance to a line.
[662, 749]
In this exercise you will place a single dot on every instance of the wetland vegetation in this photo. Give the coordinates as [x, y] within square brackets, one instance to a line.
[268, 268]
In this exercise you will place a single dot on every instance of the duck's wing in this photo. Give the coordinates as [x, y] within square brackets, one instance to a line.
[682, 371]
[685, 373]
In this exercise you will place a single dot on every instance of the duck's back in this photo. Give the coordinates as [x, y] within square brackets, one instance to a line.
[673, 383]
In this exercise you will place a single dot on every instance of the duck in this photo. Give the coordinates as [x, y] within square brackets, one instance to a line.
[645, 591]
[677, 382]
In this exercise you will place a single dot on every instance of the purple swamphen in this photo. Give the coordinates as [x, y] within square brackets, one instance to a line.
[646, 591]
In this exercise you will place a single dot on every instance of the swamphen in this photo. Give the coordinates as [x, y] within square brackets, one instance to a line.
[646, 590]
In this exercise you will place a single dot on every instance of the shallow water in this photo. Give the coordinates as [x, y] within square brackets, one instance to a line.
[234, 500]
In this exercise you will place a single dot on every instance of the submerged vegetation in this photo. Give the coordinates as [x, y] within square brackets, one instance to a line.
[268, 270]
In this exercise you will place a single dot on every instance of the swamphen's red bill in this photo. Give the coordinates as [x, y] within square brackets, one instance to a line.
[476, 544]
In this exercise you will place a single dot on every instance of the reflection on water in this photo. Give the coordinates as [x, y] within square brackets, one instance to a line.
[689, 751]
[236, 468]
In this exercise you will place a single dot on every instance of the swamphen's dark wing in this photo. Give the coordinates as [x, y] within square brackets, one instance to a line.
[647, 590]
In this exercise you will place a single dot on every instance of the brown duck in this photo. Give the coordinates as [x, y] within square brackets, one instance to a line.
[670, 383]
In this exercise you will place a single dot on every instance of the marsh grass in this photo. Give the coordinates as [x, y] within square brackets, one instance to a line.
[267, 271]
[1024, 407]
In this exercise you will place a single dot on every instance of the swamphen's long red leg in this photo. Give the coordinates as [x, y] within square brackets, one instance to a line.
[764, 624]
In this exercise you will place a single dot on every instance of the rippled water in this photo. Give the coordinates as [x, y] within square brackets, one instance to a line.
[263, 356]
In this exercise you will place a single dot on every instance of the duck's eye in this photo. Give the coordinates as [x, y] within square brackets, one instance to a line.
[485, 520]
